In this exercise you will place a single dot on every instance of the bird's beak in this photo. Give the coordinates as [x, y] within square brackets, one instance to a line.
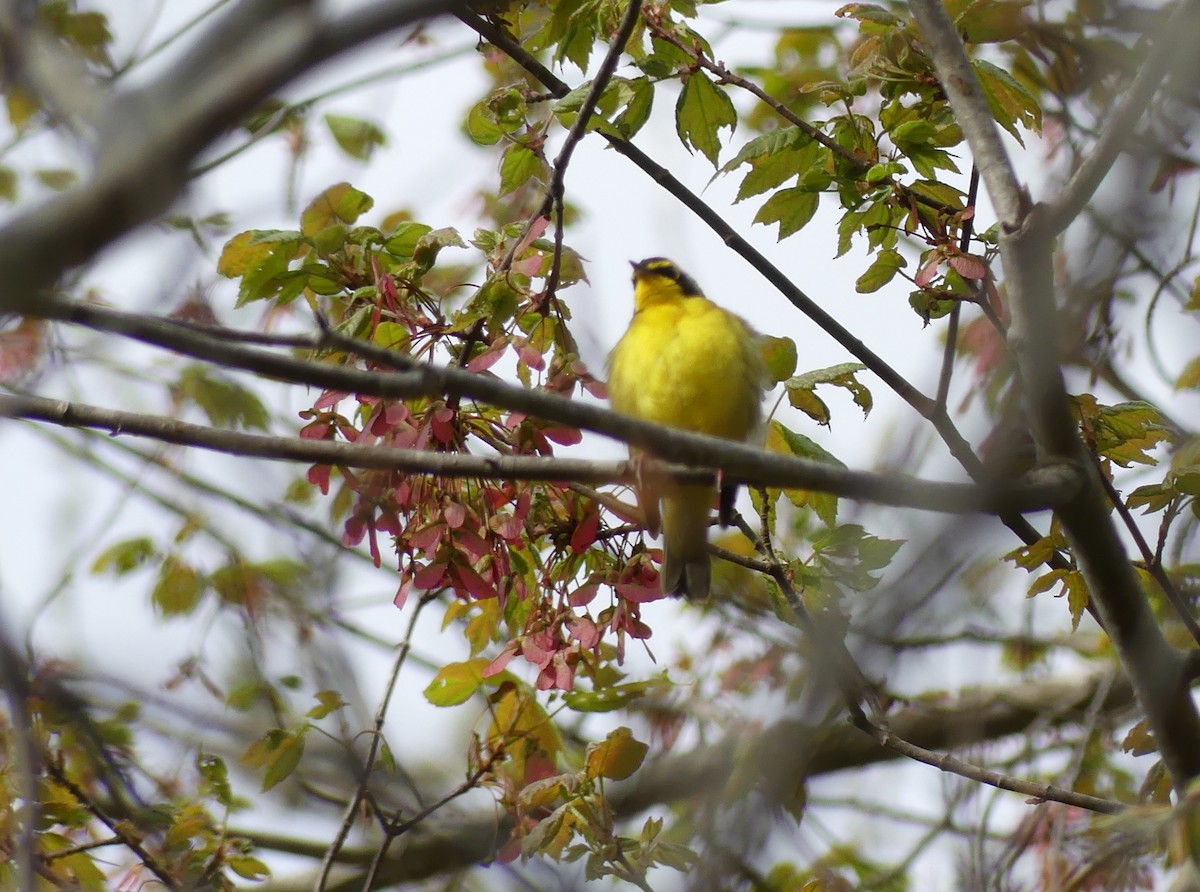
[638, 269]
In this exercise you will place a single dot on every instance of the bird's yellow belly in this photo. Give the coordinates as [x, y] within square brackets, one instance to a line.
[686, 367]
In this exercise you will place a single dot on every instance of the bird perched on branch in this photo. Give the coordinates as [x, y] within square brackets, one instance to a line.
[687, 363]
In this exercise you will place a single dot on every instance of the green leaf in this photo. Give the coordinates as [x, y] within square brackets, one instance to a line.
[780, 356]
[1153, 497]
[247, 251]
[769, 145]
[124, 557]
[215, 777]
[225, 403]
[787, 442]
[178, 589]
[518, 165]
[1011, 104]
[340, 203]
[790, 208]
[637, 110]
[912, 133]
[869, 13]
[327, 702]
[8, 184]
[1125, 433]
[1077, 597]
[612, 697]
[993, 21]
[939, 192]
[247, 867]
[355, 137]
[882, 270]
[851, 222]
[329, 240]
[22, 106]
[455, 683]
[1140, 740]
[277, 751]
[616, 757]
[431, 243]
[404, 239]
[482, 127]
[1190, 376]
[801, 389]
[702, 110]
[877, 173]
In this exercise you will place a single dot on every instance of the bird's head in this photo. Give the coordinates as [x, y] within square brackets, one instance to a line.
[658, 279]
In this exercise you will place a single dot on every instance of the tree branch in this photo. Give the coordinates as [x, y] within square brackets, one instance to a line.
[1174, 46]
[971, 109]
[1027, 244]
[790, 751]
[714, 221]
[928, 408]
[744, 464]
[153, 133]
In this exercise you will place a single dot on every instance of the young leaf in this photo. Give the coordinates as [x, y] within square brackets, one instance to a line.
[790, 208]
[178, 589]
[780, 356]
[702, 110]
[340, 203]
[456, 682]
[327, 702]
[355, 137]
[882, 270]
[788, 442]
[225, 403]
[1010, 102]
[124, 557]
[518, 165]
[801, 389]
[616, 757]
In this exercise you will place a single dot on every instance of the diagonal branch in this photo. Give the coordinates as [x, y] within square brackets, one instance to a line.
[1156, 670]
[153, 133]
[925, 406]
[971, 109]
[1174, 47]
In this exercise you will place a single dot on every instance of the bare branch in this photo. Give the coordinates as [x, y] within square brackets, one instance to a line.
[947, 762]
[970, 109]
[1027, 244]
[153, 133]
[1174, 47]
[743, 464]
[795, 750]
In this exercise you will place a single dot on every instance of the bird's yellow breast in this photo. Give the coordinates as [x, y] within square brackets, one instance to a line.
[687, 363]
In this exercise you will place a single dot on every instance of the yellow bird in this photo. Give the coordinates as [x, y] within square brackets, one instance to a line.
[687, 363]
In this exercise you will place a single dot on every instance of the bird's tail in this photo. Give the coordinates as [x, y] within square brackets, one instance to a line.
[685, 567]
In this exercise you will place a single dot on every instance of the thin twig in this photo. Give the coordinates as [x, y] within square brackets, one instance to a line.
[360, 792]
[118, 828]
[400, 828]
[1153, 566]
[1172, 47]
[555, 193]
[954, 765]
[948, 356]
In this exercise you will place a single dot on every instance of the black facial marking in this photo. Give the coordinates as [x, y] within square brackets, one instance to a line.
[661, 266]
